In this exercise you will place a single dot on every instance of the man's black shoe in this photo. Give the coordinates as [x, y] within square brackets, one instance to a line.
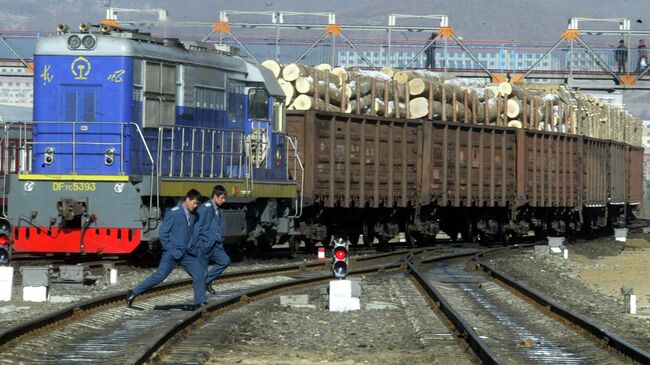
[197, 306]
[209, 289]
[130, 297]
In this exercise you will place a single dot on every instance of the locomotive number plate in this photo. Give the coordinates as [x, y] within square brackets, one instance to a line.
[75, 186]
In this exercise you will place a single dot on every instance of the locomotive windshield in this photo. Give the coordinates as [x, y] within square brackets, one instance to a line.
[258, 104]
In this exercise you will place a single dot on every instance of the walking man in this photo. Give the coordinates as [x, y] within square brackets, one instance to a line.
[209, 236]
[643, 56]
[430, 53]
[621, 56]
[175, 234]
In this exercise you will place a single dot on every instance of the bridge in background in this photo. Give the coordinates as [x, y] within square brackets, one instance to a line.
[581, 58]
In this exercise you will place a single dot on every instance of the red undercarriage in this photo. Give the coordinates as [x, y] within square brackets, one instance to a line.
[96, 240]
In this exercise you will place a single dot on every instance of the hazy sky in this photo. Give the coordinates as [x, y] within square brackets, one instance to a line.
[521, 20]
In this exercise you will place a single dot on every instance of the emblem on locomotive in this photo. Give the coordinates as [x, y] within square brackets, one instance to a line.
[80, 68]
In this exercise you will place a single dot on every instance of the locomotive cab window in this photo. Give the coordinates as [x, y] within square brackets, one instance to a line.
[258, 104]
[278, 115]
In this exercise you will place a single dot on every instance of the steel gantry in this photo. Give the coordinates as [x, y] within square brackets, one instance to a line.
[327, 26]
[573, 35]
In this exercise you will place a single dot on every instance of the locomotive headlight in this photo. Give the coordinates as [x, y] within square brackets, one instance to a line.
[118, 188]
[48, 156]
[88, 42]
[29, 186]
[74, 41]
[109, 156]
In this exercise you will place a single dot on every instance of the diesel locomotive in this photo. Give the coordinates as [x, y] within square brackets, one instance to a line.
[125, 123]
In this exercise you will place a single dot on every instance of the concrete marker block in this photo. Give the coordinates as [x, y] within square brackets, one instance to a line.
[113, 277]
[565, 254]
[340, 299]
[8, 309]
[620, 234]
[6, 282]
[633, 304]
[292, 300]
[356, 287]
[61, 299]
[542, 249]
[34, 293]
[354, 304]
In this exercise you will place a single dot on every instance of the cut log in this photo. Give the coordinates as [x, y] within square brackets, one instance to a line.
[364, 103]
[293, 71]
[341, 73]
[504, 88]
[492, 91]
[287, 88]
[419, 107]
[514, 124]
[388, 71]
[380, 107]
[306, 102]
[491, 112]
[513, 108]
[324, 67]
[417, 86]
[305, 85]
[274, 66]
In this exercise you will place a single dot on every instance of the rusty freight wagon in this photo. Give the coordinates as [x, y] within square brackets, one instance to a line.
[378, 176]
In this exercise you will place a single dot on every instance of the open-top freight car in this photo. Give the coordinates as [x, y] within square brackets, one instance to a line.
[378, 176]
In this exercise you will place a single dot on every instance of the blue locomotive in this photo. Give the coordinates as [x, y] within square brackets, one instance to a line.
[125, 123]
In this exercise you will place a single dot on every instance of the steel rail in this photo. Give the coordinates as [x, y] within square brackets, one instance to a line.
[13, 332]
[480, 348]
[155, 344]
[612, 340]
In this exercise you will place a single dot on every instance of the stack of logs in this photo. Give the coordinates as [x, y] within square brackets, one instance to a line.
[421, 94]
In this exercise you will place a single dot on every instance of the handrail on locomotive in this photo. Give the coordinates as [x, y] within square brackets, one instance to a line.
[238, 155]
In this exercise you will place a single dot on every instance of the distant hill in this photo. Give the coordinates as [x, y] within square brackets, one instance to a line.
[520, 20]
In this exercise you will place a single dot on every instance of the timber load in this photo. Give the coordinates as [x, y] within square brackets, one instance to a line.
[422, 94]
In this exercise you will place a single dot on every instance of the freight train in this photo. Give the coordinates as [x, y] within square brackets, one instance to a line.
[125, 123]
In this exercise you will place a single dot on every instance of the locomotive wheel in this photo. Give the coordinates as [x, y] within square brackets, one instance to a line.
[468, 234]
[410, 236]
[309, 246]
[294, 244]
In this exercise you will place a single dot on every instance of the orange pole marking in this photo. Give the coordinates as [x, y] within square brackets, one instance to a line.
[333, 29]
[221, 27]
[111, 23]
[498, 78]
[627, 80]
[571, 34]
[517, 78]
[446, 32]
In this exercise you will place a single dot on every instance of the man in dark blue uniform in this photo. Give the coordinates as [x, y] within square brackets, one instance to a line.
[208, 236]
[175, 238]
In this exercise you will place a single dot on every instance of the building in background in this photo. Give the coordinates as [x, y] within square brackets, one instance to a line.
[16, 84]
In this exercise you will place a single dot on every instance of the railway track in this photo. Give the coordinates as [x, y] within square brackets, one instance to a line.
[500, 326]
[104, 330]
[515, 325]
